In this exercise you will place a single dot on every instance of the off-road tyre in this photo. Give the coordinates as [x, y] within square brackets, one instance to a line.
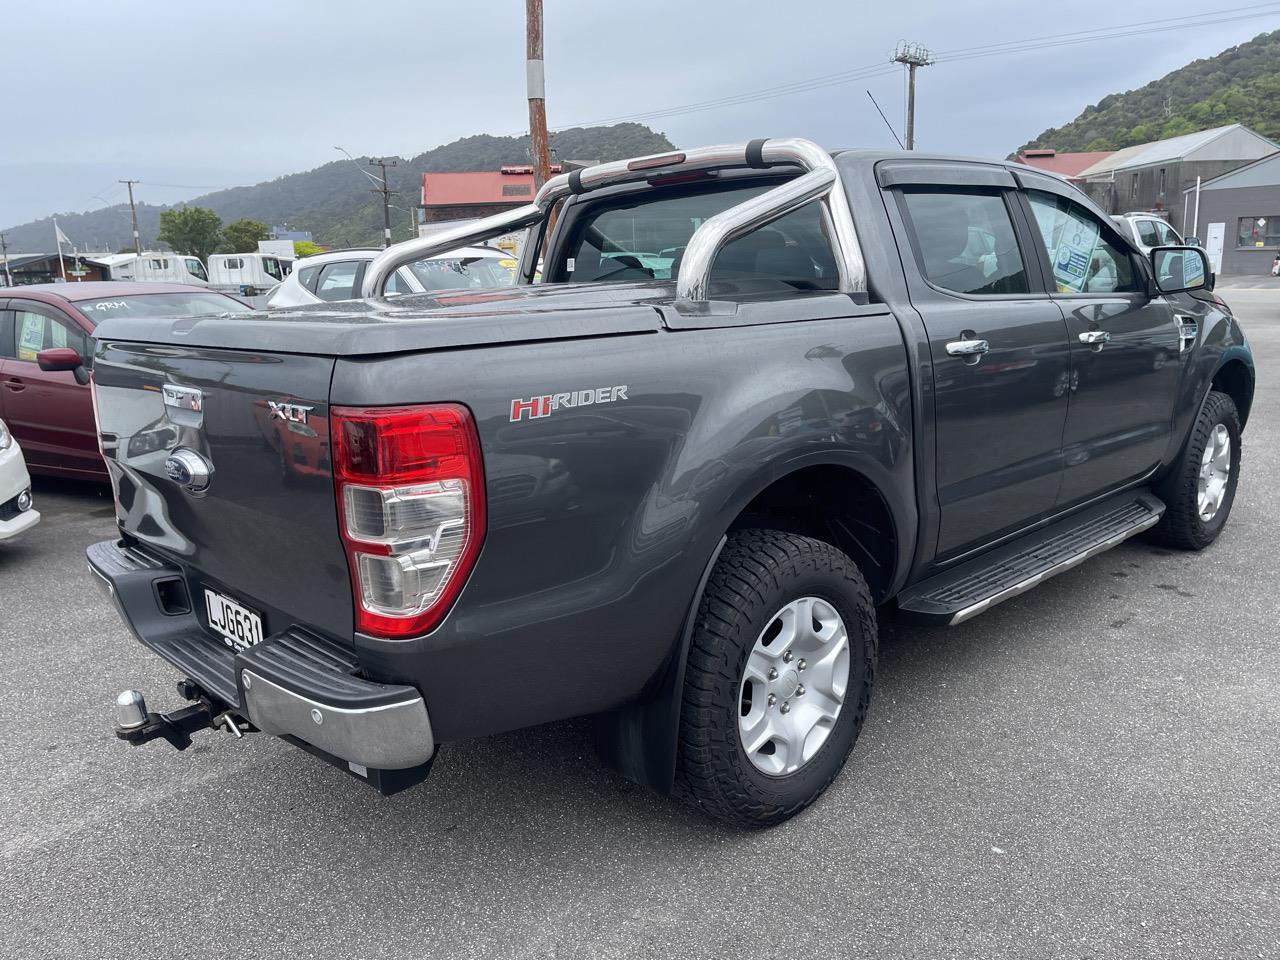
[1181, 525]
[758, 573]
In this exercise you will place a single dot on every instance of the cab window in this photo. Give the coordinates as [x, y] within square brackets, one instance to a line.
[1084, 257]
[645, 239]
[1147, 233]
[965, 241]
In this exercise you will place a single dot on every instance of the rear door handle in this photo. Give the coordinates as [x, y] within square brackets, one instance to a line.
[967, 348]
[1095, 337]
[17, 386]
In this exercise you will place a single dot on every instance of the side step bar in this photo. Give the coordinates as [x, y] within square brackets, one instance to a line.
[977, 585]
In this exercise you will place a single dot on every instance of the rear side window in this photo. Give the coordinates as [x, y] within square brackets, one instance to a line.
[307, 277]
[337, 280]
[966, 242]
[1084, 258]
[645, 239]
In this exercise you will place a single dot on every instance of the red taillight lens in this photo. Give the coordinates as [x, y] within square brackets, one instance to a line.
[410, 487]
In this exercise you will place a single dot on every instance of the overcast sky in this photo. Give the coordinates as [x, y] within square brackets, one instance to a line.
[191, 97]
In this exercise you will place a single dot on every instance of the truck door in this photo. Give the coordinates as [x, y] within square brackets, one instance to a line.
[1125, 349]
[998, 353]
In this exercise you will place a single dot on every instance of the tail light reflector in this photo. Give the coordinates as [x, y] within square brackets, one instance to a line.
[410, 487]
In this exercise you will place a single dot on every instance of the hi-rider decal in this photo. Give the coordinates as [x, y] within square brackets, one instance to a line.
[544, 406]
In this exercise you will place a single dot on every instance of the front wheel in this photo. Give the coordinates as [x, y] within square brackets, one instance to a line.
[1201, 488]
[778, 678]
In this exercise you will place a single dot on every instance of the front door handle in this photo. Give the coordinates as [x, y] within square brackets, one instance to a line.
[15, 385]
[967, 348]
[1095, 338]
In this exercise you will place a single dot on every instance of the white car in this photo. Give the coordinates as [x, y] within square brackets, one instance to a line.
[337, 275]
[16, 514]
[1148, 231]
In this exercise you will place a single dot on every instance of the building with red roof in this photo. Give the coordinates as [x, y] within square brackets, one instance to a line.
[468, 196]
[1069, 165]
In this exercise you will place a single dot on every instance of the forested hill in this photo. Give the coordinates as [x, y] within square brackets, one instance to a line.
[1239, 85]
[334, 201]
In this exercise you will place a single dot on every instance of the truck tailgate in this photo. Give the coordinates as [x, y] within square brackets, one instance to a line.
[264, 533]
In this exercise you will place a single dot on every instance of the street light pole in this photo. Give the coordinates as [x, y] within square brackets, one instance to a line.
[386, 192]
[535, 78]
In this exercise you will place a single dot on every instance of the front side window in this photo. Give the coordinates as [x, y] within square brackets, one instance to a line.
[337, 280]
[195, 268]
[272, 267]
[1258, 231]
[1147, 233]
[34, 332]
[966, 242]
[1084, 258]
[1168, 236]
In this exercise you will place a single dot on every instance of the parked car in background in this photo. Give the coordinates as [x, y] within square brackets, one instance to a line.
[153, 267]
[338, 275]
[247, 273]
[1147, 231]
[50, 411]
[16, 513]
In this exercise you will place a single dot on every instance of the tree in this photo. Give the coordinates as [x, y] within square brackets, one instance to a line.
[305, 248]
[242, 235]
[194, 231]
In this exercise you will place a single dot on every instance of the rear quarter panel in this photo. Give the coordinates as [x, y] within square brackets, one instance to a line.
[603, 517]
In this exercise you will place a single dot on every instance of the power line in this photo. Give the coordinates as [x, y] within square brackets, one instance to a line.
[869, 71]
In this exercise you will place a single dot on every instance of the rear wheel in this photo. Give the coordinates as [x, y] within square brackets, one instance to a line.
[778, 679]
[1201, 488]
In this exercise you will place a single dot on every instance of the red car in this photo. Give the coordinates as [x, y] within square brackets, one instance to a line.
[50, 411]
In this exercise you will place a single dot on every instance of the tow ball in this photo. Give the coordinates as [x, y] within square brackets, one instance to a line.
[136, 725]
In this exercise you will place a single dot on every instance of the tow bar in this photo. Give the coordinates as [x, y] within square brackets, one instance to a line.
[136, 725]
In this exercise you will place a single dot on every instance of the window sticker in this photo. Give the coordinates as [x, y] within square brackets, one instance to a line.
[30, 336]
[1073, 254]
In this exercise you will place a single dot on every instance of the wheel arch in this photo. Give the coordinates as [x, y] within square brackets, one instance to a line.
[827, 497]
[1235, 378]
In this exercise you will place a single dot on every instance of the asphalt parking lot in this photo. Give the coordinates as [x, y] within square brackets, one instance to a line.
[1091, 770]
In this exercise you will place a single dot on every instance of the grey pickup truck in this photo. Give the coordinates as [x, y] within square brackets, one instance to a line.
[740, 401]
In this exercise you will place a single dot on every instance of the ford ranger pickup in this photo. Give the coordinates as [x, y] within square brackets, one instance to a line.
[741, 400]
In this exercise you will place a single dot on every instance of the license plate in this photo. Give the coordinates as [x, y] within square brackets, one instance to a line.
[239, 626]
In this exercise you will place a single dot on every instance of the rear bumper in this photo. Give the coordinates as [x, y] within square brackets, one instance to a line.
[293, 684]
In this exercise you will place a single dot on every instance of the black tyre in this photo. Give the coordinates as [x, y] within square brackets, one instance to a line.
[1201, 487]
[773, 698]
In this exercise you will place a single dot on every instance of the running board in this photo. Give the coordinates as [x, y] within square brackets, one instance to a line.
[977, 585]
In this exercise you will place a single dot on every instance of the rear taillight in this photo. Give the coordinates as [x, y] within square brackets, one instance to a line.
[410, 489]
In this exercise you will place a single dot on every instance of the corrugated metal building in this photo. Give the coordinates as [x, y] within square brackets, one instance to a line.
[1153, 177]
[1239, 217]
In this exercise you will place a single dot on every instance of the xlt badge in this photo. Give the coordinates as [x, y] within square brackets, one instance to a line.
[289, 412]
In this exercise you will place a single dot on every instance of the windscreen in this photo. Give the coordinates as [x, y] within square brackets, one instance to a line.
[194, 304]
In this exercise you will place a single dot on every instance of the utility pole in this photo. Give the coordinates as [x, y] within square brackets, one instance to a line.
[4, 252]
[137, 239]
[536, 83]
[386, 192]
[912, 56]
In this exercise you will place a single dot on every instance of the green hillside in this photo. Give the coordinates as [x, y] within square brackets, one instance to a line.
[334, 201]
[1239, 85]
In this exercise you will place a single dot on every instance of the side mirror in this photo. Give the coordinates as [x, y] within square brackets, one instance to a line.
[1179, 269]
[1193, 242]
[63, 358]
